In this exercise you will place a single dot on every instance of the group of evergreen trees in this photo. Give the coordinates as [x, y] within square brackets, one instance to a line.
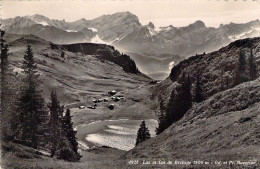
[32, 124]
[5, 88]
[179, 103]
[62, 136]
[245, 70]
[181, 97]
[31, 109]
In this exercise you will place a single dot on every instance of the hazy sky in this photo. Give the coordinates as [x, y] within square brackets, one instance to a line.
[160, 12]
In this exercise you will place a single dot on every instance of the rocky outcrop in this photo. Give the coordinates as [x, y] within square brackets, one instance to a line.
[105, 52]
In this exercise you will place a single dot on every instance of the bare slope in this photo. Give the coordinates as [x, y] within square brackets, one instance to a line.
[77, 75]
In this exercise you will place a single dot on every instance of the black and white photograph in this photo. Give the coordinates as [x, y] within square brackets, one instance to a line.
[130, 84]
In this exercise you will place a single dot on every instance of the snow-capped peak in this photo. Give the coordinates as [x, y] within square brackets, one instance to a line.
[152, 29]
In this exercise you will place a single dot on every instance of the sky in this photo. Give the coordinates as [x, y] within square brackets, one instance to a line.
[160, 12]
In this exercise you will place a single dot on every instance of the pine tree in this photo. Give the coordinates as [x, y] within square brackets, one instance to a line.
[55, 123]
[4, 87]
[187, 91]
[62, 54]
[184, 97]
[161, 118]
[9, 85]
[180, 101]
[63, 142]
[198, 90]
[221, 80]
[31, 104]
[172, 108]
[240, 69]
[227, 82]
[70, 133]
[252, 66]
[142, 134]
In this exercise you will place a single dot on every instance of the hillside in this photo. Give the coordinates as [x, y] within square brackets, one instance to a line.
[216, 68]
[223, 127]
[75, 74]
[81, 73]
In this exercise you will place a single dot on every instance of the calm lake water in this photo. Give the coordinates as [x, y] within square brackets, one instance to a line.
[119, 134]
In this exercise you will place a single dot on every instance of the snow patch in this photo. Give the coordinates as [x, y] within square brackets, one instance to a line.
[97, 39]
[242, 35]
[117, 40]
[167, 28]
[93, 29]
[42, 23]
[258, 29]
[157, 29]
[70, 30]
[171, 65]
[152, 31]
[44, 152]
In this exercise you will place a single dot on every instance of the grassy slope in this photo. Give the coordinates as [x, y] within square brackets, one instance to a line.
[79, 79]
[77, 76]
[22, 157]
[223, 127]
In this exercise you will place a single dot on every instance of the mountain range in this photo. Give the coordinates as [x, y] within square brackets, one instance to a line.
[224, 126]
[160, 48]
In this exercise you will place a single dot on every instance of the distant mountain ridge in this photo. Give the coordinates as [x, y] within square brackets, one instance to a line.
[124, 31]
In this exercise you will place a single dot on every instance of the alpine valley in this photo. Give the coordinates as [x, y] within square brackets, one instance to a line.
[105, 71]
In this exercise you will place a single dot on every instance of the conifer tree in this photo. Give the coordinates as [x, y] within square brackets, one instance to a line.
[161, 118]
[221, 80]
[187, 91]
[184, 97]
[180, 101]
[240, 69]
[198, 90]
[4, 87]
[173, 107]
[70, 133]
[62, 54]
[142, 134]
[31, 104]
[227, 82]
[63, 142]
[252, 66]
[55, 123]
